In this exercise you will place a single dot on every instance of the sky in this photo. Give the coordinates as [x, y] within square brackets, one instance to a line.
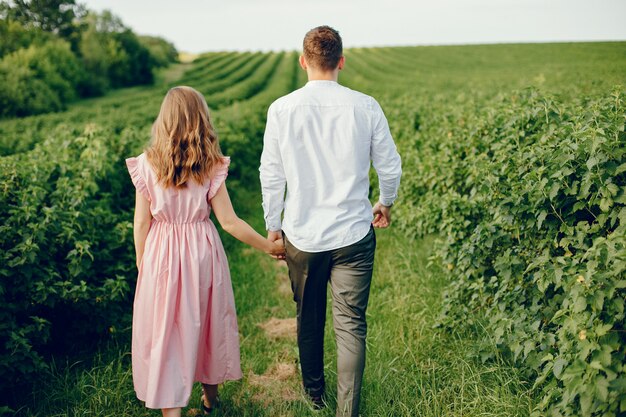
[249, 25]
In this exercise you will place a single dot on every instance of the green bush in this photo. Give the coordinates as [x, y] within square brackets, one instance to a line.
[162, 52]
[15, 36]
[41, 72]
[94, 53]
[38, 79]
[113, 56]
[65, 247]
[529, 194]
[129, 62]
[67, 270]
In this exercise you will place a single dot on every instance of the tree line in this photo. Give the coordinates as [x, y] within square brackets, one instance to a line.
[55, 51]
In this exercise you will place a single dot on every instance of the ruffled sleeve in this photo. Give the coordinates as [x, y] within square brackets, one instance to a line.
[135, 175]
[218, 179]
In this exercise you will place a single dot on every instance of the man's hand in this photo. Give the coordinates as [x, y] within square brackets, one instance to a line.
[382, 216]
[277, 238]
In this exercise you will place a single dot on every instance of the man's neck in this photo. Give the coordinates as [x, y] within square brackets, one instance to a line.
[314, 75]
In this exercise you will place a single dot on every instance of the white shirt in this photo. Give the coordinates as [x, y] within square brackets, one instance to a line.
[318, 142]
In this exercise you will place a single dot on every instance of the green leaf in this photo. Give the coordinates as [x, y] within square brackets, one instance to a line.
[606, 204]
[585, 403]
[541, 217]
[580, 304]
[612, 188]
[602, 388]
[620, 169]
[591, 162]
[618, 384]
[554, 190]
[559, 365]
[603, 329]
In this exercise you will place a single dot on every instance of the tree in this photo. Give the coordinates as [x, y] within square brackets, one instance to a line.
[106, 22]
[15, 36]
[131, 62]
[55, 16]
[112, 54]
[163, 52]
[38, 79]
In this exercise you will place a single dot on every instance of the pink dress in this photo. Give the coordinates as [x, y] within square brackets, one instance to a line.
[184, 321]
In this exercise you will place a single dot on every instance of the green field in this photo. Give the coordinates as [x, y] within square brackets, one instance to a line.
[499, 289]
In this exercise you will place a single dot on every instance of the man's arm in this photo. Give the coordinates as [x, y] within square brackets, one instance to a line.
[388, 166]
[272, 176]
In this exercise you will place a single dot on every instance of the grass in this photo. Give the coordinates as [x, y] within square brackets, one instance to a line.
[413, 369]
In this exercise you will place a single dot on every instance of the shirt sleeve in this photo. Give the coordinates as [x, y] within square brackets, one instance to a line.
[272, 174]
[218, 179]
[133, 166]
[385, 158]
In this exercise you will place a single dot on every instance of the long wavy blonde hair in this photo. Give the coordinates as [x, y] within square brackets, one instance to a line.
[184, 144]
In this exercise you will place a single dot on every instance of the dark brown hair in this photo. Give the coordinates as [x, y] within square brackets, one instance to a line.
[323, 48]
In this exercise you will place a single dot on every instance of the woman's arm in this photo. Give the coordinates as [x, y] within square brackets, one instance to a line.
[141, 224]
[231, 223]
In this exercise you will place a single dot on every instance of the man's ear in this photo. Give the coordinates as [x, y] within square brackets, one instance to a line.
[342, 62]
[302, 62]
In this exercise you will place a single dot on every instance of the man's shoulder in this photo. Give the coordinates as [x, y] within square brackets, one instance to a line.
[361, 98]
[286, 100]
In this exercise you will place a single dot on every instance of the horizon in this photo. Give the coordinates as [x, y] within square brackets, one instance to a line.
[548, 42]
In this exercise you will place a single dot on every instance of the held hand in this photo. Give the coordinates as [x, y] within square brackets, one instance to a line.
[279, 248]
[274, 236]
[382, 216]
[277, 251]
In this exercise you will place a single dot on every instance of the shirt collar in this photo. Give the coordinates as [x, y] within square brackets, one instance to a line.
[321, 83]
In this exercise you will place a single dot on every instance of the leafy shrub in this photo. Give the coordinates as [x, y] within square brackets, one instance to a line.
[65, 247]
[38, 79]
[162, 52]
[113, 56]
[15, 36]
[530, 196]
[41, 72]
[130, 62]
[67, 270]
[94, 53]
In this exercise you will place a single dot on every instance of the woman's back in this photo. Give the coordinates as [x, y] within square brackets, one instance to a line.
[184, 320]
[176, 205]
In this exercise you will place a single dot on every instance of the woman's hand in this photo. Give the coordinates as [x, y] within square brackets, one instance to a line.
[277, 249]
[277, 238]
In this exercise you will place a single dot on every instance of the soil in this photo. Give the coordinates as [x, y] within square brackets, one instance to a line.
[279, 328]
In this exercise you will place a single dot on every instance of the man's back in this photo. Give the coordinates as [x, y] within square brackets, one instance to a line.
[324, 135]
[318, 143]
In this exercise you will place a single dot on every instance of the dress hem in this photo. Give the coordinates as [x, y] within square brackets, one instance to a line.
[160, 407]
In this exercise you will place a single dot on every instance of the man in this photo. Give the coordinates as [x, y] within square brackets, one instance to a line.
[318, 142]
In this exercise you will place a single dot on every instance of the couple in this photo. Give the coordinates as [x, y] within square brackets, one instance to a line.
[318, 144]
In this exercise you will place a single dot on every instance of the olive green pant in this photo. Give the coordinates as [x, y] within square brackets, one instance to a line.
[349, 271]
